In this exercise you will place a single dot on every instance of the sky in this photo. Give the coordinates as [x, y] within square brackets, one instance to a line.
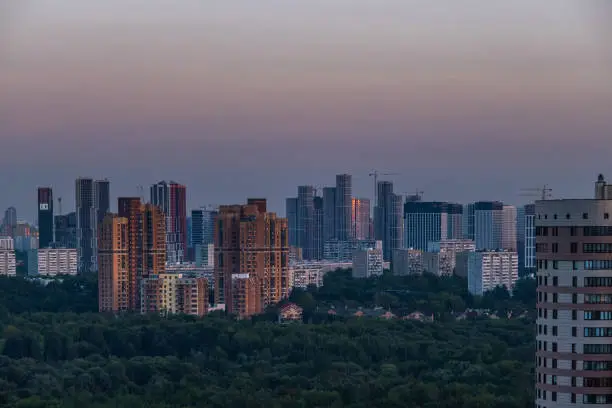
[466, 100]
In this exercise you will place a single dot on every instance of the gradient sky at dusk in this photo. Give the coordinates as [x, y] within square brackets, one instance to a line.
[468, 100]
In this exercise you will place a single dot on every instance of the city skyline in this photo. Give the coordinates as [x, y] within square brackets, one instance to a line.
[467, 103]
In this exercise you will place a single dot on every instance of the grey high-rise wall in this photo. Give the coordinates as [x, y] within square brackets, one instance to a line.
[426, 222]
[344, 196]
[318, 229]
[488, 225]
[389, 219]
[102, 199]
[329, 213]
[86, 231]
[305, 221]
[202, 226]
[292, 216]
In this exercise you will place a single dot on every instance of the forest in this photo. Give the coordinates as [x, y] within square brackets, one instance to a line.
[56, 351]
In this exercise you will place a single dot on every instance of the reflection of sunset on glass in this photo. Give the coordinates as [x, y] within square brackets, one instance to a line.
[479, 94]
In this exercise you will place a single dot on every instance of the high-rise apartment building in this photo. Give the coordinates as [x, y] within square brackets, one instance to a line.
[319, 219]
[389, 219]
[171, 198]
[252, 258]
[360, 219]
[114, 266]
[8, 264]
[146, 243]
[66, 230]
[574, 298]
[430, 222]
[529, 262]
[45, 217]
[344, 197]
[487, 270]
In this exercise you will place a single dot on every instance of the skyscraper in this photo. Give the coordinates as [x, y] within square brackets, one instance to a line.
[102, 199]
[10, 221]
[292, 220]
[66, 230]
[86, 231]
[329, 213]
[146, 244]
[431, 222]
[45, 217]
[509, 239]
[113, 273]
[488, 225]
[318, 242]
[171, 198]
[574, 317]
[252, 256]
[344, 197]
[389, 219]
[305, 221]
[203, 226]
[360, 219]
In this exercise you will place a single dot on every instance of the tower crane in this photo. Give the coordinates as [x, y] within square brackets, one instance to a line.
[375, 173]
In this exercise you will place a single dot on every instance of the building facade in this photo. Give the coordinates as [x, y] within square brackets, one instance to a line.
[66, 230]
[202, 226]
[427, 222]
[487, 270]
[45, 217]
[251, 258]
[367, 263]
[408, 262]
[574, 301]
[114, 267]
[509, 222]
[344, 199]
[174, 294]
[304, 274]
[52, 261]
[389, 219]
[171, 198]
[360, 219]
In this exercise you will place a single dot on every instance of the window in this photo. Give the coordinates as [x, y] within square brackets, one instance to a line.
[574, 332]
[606, 216]
[574, 315]
[597, 349]
[574, 298]
[555, 278]
[598, 282]
[574, 348]
[585, 216]
[598, 315]
[574, 247]
[555, 247]
[598, 332]
[554, 347]
[555, 314]
[555, 331]
[555, 265]
[574, 281]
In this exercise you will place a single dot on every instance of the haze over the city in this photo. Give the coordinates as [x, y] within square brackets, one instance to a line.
[466, 100]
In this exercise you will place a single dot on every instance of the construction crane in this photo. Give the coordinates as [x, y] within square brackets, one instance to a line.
[375, 174]
[543, 193]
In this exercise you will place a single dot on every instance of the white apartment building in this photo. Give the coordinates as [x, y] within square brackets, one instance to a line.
[8, 264]
[7, 243]
[488, 269]
[367, 263]
[407, 262]
[304, 274]
[442, 257]
[52, 261]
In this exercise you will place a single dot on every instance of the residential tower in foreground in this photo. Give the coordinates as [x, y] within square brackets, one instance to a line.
[574, 301]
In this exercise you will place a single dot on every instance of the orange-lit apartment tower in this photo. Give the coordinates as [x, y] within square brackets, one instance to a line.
[251, 258]
[146, 243]
[113, 265]
[360, 219]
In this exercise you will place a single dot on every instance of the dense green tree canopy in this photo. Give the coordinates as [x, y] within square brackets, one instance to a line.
[57, 352]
